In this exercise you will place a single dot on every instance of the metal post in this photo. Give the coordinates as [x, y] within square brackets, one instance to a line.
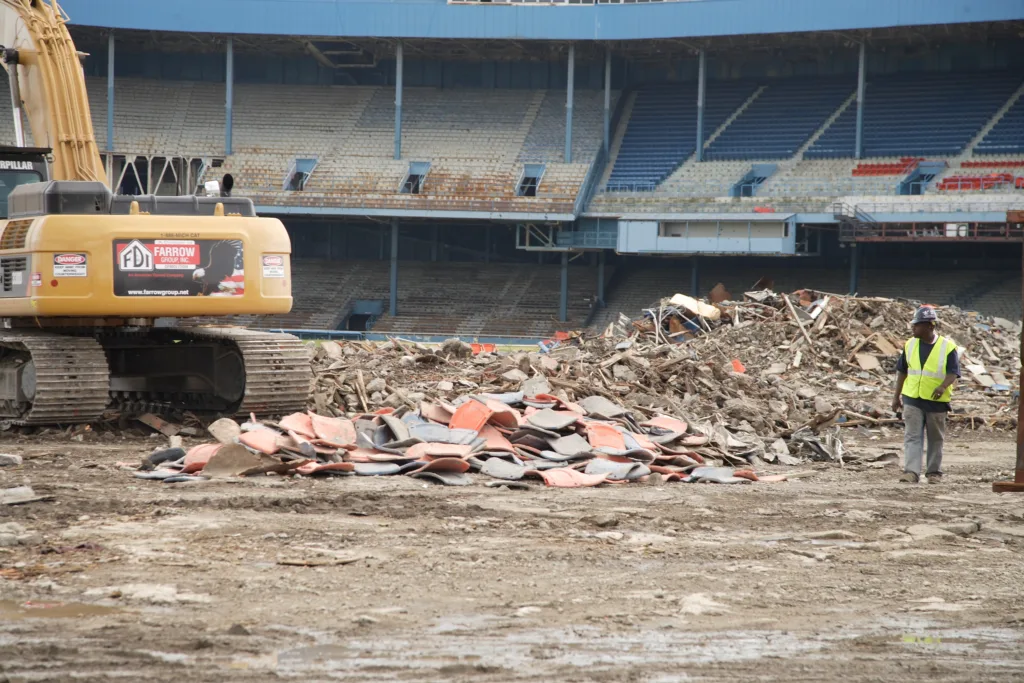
[15, 83]
[858, 150]
[229, 97]
[434, 238]
[487, 244]
[563, 292]
[694, 277]
[701, 93]
[600, 279]
[1017, 485]
[393, 306]
[854, 269]
[110, 92]
[607, 101]
[399, 61]
[568, 104]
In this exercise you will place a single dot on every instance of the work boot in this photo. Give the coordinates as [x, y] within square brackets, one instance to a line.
[909, 478]
[934, 478]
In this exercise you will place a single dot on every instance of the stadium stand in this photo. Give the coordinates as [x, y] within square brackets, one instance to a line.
[661, 133]
[155, 117]
[436, 298]
[545, 141]
[1007, 136]
[780, 119]
[919, 115]
[476, 140]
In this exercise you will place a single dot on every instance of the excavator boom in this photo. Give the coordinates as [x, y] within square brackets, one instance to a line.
[46, 73]
[85, 275]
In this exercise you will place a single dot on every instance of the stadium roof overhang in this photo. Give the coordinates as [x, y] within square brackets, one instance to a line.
[437, 19]
[417, 214]
[362, 52]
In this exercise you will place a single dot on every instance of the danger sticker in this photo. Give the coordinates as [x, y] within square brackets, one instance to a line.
[70, 265]
[37, 279]
[273, 266]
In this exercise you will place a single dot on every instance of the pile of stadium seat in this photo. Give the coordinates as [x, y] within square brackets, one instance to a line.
[904, 166]
[780, 120]
[919, 114]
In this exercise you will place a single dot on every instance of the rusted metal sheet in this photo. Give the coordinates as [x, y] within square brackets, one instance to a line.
[1015, 216]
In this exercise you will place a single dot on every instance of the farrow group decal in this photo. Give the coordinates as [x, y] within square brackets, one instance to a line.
[178, 268]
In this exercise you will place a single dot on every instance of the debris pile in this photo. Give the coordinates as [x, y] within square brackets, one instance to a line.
[834, 357]
[693, 391]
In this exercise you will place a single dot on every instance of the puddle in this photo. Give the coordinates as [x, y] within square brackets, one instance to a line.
[9, 609]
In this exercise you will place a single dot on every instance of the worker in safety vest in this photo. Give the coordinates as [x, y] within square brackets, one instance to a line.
[926, 371]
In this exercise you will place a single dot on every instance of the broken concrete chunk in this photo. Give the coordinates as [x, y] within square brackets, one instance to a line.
[445, 386]
[515, 375]
[225, 430]
[537, 384]
[623, 373]
[821, 406]
[457, 348]
[376, 384]
[806, 392]
[9, 460]
[332, 349]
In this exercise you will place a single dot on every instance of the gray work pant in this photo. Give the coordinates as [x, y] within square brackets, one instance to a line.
[917, 423]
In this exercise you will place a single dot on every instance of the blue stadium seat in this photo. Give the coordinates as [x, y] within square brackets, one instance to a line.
[1007, 136]
[781, 119]
[918, 114]
[662, 130]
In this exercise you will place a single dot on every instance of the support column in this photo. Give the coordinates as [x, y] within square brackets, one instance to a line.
[694, 277]
[701, 85]
[600, 279]
[110, 92]
[607, 102]
[858, 150]
[854, 268]
[434, 239]
[563, 291]
[487, 244]
[568, 104]
[229, 95]
[393, 305]
[399, 68]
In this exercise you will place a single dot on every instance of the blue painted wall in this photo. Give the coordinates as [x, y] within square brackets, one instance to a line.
[437, 19]
[952, 56]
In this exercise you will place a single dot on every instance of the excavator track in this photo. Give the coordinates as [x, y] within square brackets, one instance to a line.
[278, 376]
[71, 379]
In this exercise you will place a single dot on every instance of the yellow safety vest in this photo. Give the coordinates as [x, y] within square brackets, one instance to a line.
[922, 382]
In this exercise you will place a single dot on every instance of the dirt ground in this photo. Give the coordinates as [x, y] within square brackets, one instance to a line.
[809, 580]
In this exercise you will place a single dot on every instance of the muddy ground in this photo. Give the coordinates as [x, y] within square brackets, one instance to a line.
[809, 580]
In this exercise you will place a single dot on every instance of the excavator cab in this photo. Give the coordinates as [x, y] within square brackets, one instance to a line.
[20, 166]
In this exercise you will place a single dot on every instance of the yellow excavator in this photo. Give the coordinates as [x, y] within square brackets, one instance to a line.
[89, 278]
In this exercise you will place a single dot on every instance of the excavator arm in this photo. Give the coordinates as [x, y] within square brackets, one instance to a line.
[47, 79]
